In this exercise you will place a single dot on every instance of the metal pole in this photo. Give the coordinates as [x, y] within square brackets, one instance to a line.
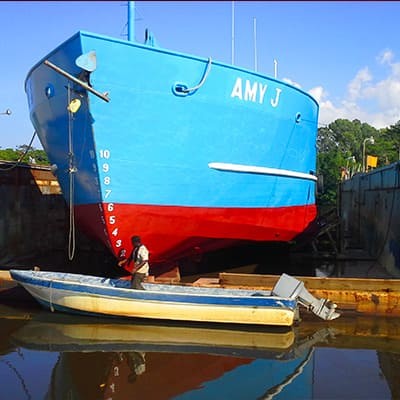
[103, 96]
[131, 21]
[233, 34]
[255, 43]
[372, 141]
[363, 166]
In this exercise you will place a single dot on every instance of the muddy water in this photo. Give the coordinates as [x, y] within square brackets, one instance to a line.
[46, 355]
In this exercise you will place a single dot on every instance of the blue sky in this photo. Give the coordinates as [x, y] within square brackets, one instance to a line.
[346, 54]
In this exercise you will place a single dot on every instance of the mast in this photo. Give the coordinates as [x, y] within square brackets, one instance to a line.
[255, 44]
[233, 34]
[131, 21]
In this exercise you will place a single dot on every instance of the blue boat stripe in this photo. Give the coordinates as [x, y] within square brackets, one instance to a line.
[150, 295]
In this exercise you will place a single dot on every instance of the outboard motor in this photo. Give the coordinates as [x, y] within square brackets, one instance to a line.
[292, 288]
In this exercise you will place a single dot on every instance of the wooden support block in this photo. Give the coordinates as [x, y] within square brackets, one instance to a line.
[5, 276]
[6, 282]
[207, 282]
[171, 276]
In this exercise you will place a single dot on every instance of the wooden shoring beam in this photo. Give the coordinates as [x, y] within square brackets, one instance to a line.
[370, 296]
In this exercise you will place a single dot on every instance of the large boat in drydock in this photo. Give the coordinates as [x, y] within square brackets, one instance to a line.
[190, 153]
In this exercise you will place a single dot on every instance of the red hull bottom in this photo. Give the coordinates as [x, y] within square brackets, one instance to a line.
[171, 233]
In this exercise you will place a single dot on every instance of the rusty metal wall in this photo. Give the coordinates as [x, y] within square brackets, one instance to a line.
[370, 215]
[34, 225]
[32, 212]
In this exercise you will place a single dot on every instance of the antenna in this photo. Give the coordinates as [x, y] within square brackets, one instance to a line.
[255, 43]
[275, 68]
[233, 34]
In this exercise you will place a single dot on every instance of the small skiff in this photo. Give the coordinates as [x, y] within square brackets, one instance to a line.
[92, 295]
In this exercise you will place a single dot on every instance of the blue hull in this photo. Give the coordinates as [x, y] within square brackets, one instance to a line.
[242, 146]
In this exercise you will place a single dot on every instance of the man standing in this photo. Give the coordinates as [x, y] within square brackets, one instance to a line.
[140, 259]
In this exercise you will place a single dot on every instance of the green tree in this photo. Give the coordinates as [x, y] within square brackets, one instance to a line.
[9, 154]
[24, 154]
[389, 144]
[340, 146]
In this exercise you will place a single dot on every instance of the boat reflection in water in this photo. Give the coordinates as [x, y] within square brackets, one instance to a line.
[118, 359]
[56, 356]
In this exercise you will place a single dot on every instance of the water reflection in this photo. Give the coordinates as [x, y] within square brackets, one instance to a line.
[95, 375]
[56, 356]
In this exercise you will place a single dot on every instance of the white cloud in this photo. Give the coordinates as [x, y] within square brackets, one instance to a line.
[374, 102]
[355, 87]
[317, 93]
[290, 82]
[385, 57]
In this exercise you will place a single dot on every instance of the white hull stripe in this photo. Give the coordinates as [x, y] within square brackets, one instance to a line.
[252, 169]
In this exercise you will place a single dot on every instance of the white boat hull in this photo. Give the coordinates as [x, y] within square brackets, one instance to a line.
[105, 305]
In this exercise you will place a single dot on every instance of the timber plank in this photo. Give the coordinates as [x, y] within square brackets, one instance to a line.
[369, 296]
[389, 285]
[6, 282]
